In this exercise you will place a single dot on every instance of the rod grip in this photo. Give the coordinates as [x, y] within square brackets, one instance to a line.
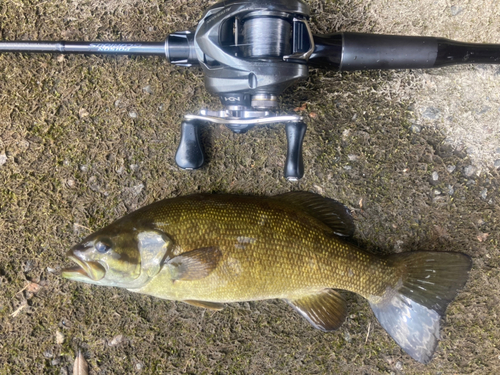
[189, 154]
[294, 165]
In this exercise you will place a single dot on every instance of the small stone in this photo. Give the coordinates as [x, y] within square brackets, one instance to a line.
[347, 167]
[451, 168]
[497, 163]
[398, 366]
[133, 167]
[83, 113]
[451, 190]
[455, 10]
[416, 128]
[116, 340]
[117, 102]
[132, 114]
[59, 338]
[431, 113]
[347, 337]
[435, 176]
[48, 354]
[148, 90]
[3, 158]
[469, 171]
[352, 157]
[484, 194]
[84, 168]
[70, 183]
[136, 190]
[484, 110]
[437, 192]
[139, 366]
[55, 361]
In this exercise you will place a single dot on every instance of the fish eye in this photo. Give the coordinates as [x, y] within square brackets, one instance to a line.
[102, 247]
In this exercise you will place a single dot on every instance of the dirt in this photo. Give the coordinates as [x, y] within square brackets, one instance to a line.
[86, 139]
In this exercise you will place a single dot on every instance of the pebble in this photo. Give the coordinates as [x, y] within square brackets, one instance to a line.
[416, 128]
[84, 168]
[451, 168]
[455, 10]
[347, 337]
[484, 193]
[469, 171]
[148, 90]
[431, 113]
[435, 176]
[132, 114]
[116, 340]
[3, 159]
[398, 366]
[451, 190]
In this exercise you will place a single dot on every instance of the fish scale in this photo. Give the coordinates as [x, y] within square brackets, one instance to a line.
[287, 241]
[207, 250]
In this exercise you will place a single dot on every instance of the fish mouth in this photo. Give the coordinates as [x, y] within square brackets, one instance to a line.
[84, 271]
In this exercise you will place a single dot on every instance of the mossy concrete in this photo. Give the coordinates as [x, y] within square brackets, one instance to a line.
[85, 141]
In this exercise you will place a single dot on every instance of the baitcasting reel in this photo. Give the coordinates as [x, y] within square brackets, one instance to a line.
[250, 51]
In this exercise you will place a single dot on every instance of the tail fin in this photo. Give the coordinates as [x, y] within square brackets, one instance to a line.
[410, 312]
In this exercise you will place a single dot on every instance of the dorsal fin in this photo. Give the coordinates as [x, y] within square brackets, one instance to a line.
[329, 211]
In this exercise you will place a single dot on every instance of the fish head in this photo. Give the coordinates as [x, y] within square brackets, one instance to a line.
[115, 256]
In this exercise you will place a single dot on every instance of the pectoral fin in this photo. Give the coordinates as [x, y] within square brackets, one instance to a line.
[325, 310]
[206, 305]
[194, 265]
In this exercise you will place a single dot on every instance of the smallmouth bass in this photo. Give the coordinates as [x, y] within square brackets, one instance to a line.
[207, 250]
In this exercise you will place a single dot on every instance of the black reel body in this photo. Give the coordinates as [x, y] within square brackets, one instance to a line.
[250, 52]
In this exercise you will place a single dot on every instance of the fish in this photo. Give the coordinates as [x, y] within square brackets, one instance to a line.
[210, 249]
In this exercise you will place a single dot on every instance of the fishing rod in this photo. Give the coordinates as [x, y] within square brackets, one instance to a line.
[252, 50]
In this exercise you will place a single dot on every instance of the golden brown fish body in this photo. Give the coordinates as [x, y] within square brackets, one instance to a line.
[268, 249]
[211, 249]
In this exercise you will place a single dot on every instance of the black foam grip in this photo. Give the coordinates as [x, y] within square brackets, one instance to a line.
[294, 165]
[377, 51]
[189, 153]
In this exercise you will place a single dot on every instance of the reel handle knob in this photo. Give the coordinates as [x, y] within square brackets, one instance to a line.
[294, 165]
[189, 154]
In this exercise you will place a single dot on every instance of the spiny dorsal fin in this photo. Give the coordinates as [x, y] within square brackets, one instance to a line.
[194, 265]
[206, 305]
[325, 310]
[329, 211]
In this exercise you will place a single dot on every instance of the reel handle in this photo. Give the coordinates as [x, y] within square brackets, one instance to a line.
[189, 154]
[294, 165]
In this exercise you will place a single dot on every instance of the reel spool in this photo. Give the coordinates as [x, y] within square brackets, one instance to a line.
[266, 37]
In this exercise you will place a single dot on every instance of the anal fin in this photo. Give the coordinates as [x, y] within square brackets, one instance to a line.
[325, 310]
[206, 305]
